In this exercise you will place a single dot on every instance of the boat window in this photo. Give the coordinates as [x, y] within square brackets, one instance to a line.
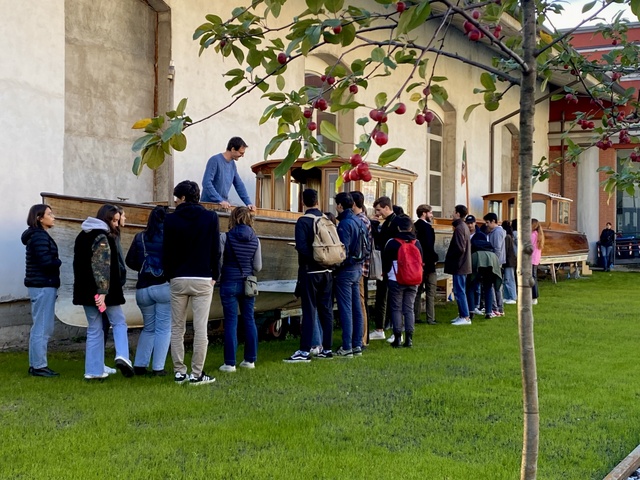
[388, 189]
[265, 192]
[512, 209]
[539, 211]
[495, 206]
[294, 196]
[370, 193]
[554, 211]
[434, 181]
[280, 194]
[563, 213]
[403, 199]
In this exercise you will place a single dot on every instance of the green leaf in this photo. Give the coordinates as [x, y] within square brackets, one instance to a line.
[268, 112]
[174, 129]
[142, 142]
[381, 99]
[390, 155]
[239, 54]
[233, 82]
[357, 67]
[470, 109]
[318, 162]
[153, 157]
[294, 152]
[421, 14]
[439, 79]
[415, 97]
[280, 82]
[403, 21]
[329, 131]
[378, 54]
[314, 6]
[274, 144]
[412, 86]
[635, 8]
[439, 94]
[216, 20]
[275, 96]
[588, 6]
[333, 6]
[179, 142]
[422, 70]
[337, 107]
[181, 107]
[487, 81]
[137, 166]
[362, 121]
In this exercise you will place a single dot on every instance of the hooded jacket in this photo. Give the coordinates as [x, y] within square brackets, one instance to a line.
[458, 258]
[241, 254]
[96, 269]
[42, 262]
[191, 246]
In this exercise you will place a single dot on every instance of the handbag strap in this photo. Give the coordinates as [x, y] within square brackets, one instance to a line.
[144, 248]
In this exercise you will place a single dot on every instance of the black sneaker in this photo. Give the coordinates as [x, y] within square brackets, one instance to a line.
[203, 379]
[159, 373]
[180, 378]
[299, 357]
[140, 370]
[326, 354]
[125, 367]
[42, 372]
[357, 351]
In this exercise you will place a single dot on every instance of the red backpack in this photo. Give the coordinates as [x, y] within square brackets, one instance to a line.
[409, 270]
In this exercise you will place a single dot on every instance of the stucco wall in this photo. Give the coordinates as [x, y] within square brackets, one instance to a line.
[32, 123]
[110, 54]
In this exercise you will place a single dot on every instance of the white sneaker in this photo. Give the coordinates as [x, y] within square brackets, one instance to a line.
[534, 301]
[455, 320]
[96, 377]
[315, 351]
[124, 365]
[476, 311]
[462, 321]
[109, 370]
[245, 364]
[227, 368]
[393, 337]
[377, 335]
[509, 302]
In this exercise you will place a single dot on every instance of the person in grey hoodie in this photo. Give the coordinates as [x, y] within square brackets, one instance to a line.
[496, 236]
[97, 287]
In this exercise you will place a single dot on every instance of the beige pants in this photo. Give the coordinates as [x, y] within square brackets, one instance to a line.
[200, 291]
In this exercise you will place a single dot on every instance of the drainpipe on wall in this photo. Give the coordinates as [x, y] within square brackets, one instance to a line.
[507, 117]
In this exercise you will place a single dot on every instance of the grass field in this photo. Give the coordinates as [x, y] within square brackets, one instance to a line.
[450, 408]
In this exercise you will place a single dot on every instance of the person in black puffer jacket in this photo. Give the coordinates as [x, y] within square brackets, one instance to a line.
[241, 256]
[42, 278]
[153, 295]
[97, 287]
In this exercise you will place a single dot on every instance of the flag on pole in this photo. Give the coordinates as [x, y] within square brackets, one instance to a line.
[463, 175]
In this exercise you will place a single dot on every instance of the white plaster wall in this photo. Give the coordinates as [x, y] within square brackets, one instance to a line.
[32, 123]
[588, 203]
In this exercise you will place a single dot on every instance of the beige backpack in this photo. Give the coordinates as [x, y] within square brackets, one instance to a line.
[328, 250]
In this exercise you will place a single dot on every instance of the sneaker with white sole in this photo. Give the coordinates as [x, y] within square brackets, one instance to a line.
[341, 352]
[109, 370]
[315, 351]
[299, 357]
[203, 379]
[393, 337]
[102, 376]
[455, 319]
[227, 368]
[490, 315]
[498, 313]
[357, 351]
[245, 364]
[325, 354]
[534, 301]
[462, 321]
[180, 378]
[509, 302]
[477, 311]
[125, 367]
[377, 335]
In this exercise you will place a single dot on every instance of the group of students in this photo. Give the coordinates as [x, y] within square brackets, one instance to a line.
[482, 261]
[178, 257]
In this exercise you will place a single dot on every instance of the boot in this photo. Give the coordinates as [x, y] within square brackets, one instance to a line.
[397, 340]
[408, 343]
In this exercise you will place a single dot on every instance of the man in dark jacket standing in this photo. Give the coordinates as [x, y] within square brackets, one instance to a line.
[427, 238]
[315, 285]
[351, 230]
[607, 241]
[190, 256]
[458, 263]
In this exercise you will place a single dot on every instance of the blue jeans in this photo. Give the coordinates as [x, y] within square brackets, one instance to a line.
[231, 296]
[94, 359]
[606, 253]
[459, 291]
[401, 300]
[155, 304]
[349, 306]
[316, 337]
[43, 309]
[509, 284]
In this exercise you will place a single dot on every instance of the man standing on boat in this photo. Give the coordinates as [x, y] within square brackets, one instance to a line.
[427, 238]
[315, 285]
[191, 251]
[221, 173]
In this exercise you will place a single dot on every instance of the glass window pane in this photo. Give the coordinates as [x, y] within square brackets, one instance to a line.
[294, 192]
[435, 127]
[403, 197]
[265, 193]
[388, 189]
[435, 190]
[539, 211]
[435, 155]
[280, 194]
[495, 207]
[370, 193]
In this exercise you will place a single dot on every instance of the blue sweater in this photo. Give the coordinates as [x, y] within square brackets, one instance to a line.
[219, 175]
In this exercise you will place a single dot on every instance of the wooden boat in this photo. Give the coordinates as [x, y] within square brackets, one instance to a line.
[279, 206]
[562, 244]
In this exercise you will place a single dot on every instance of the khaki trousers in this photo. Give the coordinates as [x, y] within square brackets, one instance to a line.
[200, 291]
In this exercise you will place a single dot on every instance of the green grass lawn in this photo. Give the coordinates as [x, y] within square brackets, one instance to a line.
[450, 408]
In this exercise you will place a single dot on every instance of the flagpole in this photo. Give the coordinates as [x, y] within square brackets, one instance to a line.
[466, 173]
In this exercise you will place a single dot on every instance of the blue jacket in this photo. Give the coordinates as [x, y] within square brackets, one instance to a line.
[135, 258]
[349, 233]
[42, 262]
[241, 255]
[219, 175]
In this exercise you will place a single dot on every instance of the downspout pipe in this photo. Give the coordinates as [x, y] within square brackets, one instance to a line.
[507, 117]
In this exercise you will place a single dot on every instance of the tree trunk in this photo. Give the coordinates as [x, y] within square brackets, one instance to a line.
[529, 465]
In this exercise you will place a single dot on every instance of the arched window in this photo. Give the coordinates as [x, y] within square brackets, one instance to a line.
[434, 166]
